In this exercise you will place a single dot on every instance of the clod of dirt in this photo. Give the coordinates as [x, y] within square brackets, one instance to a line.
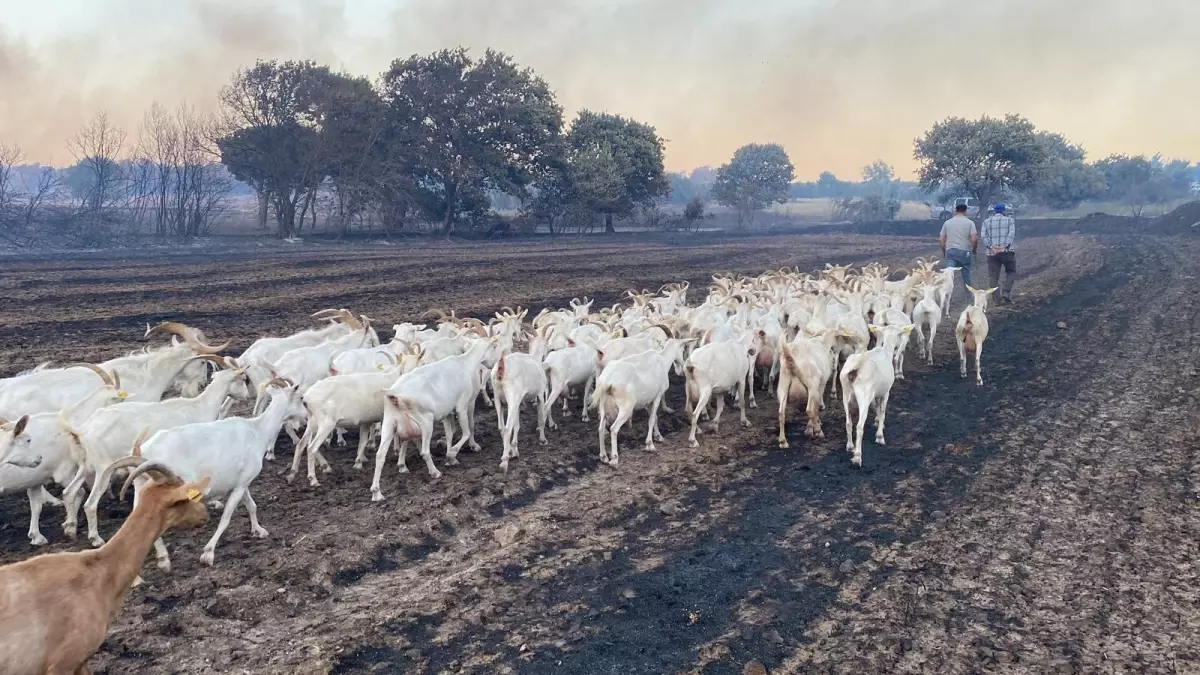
[755, 667]
[773, 636]
[847, 566]
[628, 594]
[1062, 325]
[670, 508]
[474, 473]
[949, 447]
[507, 534]
[1003, 656]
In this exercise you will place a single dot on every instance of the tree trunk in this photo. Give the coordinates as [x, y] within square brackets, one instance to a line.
[608, 224]
[262, 208]
[451, 199]
[286, 215]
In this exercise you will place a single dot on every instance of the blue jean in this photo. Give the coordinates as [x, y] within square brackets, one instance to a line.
[957, 257]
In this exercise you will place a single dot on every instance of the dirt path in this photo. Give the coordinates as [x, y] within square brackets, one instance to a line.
[1046, 522]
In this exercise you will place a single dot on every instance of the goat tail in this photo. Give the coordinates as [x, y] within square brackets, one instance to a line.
[500, 368]
[689, 376]
[76, 443]
[601, 396]
[854, 362]
[139, 441]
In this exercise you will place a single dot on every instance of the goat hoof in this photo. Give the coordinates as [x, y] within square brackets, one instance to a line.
[289, 478]
[137, 581]
[261, 533]
[313, 482]
[879, 440]
[435, 475]
[97, 541]
[207, 557]
[269, 455]
[69, 532]
[37, 540]
[693, 442]
[403, 469]
[376, 496]
[328, 468]
[164, 565]
[856, 461]
[585, 418]
[784, 445]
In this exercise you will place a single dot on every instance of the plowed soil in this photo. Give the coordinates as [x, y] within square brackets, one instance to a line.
[1045, 522]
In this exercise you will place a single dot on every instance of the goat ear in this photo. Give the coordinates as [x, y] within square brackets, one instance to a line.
[993, 290]
[970, 288]
[20, 428]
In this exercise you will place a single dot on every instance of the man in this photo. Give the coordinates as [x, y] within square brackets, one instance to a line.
[998, 234]
[959, 241]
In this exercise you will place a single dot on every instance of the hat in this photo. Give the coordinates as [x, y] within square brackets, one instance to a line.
[999, 208]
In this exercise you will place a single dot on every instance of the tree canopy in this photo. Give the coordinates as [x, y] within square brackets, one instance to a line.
[756, 177]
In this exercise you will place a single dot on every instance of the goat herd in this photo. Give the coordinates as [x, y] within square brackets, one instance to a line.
[83, 423]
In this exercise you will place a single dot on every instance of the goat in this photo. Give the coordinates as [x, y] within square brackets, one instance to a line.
[47, 453]
[147, 376]
[267, 350]
[945, 284]
[229, 452]
[927, 312]
[345, 400]
[12, 452]
[806, 365]
[514, 378]
[430, 393]
[55, 609]
[109, 432]
[719, 368]
[972, 330]
[867, 379]
[567, 368]
[636, 381]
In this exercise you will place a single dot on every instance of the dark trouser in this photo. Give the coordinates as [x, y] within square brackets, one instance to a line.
[957, 257]
[1007, 260]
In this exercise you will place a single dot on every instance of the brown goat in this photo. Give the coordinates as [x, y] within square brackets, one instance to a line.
[55, 608]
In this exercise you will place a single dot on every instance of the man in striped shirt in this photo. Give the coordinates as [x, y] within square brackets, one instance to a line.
[997, 235]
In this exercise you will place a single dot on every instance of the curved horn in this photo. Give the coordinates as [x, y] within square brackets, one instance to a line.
[391, 357]
[108, 380]
[189, 335]
[325, 314]
[165, 474]
[434, 312]
[279, 382]
[215, 360]
[479, 330]
[666, 329]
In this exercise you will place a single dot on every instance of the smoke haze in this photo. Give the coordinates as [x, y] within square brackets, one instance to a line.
[839, 83]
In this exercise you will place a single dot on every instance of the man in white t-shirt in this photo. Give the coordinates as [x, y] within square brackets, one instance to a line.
[959, 240]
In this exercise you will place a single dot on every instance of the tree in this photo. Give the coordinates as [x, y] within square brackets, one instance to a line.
[982, 158]
[1135, 181]
[185, 189]
[1066, 180]
[829, 186]
[96, 178]
[10, 156]
[693, 212]
[273, 116]
[615, 164]
[756, 177]
[879, 174]
[474, 125]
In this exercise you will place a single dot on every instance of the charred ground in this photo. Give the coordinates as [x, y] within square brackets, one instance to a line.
[1044, 522]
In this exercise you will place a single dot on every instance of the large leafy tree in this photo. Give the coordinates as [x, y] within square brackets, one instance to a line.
[1066, 180]
[982, 158]
[757, 176]
[614, 164]
[1135, 181]
[274, 115]
[473, 125]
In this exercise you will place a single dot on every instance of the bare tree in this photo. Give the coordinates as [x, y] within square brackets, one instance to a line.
[187, 190]
[42, 193]
[10, 156]
[97, 148]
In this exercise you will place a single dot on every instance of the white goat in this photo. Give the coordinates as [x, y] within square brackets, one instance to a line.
[945, 284]
[806, 365]
[719, 368]
[867, 380]
[972, 330]
[229, 451]
[108, 433]
[515, 378]
[634, 382]
[430, 393]
[566, 368]
[927, 313]
[343, 401]
[42, 453]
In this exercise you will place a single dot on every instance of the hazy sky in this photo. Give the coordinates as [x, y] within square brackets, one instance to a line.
[838, 82]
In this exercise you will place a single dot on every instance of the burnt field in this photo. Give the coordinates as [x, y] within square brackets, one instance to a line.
[1045, 522]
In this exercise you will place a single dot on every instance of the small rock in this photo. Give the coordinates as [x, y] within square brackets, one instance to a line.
[1062, 325]
[1003, 656]
[949, 447]
[914, 446]
[773, 636]
[507, 534]
[607, 555]
[670, 508]
[628, 594]
[755, 667]
[847, 566]
[474, 473]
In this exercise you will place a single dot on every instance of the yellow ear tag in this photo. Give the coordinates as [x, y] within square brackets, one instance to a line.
[194, 494]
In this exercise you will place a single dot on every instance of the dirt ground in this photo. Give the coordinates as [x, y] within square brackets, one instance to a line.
[1046, 522]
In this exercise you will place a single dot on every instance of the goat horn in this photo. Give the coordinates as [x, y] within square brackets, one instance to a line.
[97, 370]
[666, 329]
[190, 336]
[279, 382]
[166, 475]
